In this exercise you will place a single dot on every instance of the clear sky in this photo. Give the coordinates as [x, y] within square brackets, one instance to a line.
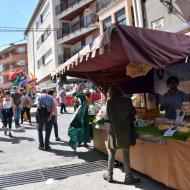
[14, 13]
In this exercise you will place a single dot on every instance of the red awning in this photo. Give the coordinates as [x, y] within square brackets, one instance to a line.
[105, 60]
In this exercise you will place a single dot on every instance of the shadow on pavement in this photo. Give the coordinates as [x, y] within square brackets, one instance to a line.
[64, 153]
[30, 128]
[18, 130]
[16, 140]
[91, 155]
[62, 142]
[146, 183]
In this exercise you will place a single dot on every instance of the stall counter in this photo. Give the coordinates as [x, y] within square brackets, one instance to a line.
[168, 163]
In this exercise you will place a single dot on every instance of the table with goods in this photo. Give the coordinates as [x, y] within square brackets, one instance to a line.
[163, 145]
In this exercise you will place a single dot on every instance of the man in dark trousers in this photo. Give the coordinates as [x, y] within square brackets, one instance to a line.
[45, 104]
[62, 96]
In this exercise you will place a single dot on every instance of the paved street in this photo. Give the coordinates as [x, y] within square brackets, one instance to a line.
[21, 154]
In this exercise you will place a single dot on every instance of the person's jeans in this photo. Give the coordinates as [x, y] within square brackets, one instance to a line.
[7, 115]
[63, 107]
[27, 110]
[48, 128]
[126, 161]
[55, 127]
[17, 115]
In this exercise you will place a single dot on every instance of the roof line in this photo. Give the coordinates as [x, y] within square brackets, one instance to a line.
[11, 47]
[40, 3]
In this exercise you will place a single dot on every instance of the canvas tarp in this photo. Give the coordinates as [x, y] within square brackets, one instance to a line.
[105, 60]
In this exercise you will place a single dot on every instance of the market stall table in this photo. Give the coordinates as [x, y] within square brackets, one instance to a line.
[167, 163]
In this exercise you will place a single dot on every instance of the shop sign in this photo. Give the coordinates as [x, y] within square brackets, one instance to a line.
[137, 69]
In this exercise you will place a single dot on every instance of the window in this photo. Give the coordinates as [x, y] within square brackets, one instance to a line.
[43, 16]
[43, 37]
[48, 57]
[121, 17]
[21, 50]
[158, 24]
[22, 63]
[107, 23]
[40, 62]
[45, 13]
[45, 59]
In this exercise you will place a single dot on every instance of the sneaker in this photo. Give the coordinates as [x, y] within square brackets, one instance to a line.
[57, 139]
[47, 148]
[5, 131]
[131, 180]
[85, 145]
[41, 148]
[108, 177]
[10, 135]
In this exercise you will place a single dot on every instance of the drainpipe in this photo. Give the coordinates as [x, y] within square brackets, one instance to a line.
[135, 12]
[139, 12]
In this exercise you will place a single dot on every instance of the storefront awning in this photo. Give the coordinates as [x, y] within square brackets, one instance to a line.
[105, 60]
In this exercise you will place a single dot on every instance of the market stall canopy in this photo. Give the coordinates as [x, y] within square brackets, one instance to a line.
[105, 60]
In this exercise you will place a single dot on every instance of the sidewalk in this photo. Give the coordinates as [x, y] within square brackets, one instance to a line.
[21, 154]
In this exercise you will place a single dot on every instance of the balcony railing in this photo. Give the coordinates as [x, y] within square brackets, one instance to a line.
[84, 22]
[65, 5]
[63, 57]
[102, 5]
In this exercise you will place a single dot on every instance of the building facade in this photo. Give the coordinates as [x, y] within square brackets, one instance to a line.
[115, 11]
[41, 35]
[12, 59]
[57, 30]
[169, 15]
[77, 24]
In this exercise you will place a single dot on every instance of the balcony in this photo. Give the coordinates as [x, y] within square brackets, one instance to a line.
[102, 5]
[81, 27]
[70, 8]
[15, 69]
[13, 58]
[5, 85]
[65, 56]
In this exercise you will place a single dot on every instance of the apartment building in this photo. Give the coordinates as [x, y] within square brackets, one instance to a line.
[12, 59]
[77, 24]
[57, 30]
[115, 11]
[169, 15]
[41, 34]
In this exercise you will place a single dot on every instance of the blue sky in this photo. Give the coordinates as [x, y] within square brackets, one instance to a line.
[14, 13]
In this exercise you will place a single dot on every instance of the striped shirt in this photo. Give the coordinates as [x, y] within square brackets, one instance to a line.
[45, 100]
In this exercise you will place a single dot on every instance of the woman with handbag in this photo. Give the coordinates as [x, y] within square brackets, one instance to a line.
[26, 105]
[7, 113]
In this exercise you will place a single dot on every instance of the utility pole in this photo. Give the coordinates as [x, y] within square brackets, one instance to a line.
[34, 59]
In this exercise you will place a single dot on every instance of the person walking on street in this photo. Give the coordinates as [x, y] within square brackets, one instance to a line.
[121, 114]
[54, 116]
[16, 96]
[62, 96]
[45, 104]
[7, 113]
[25, 107]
